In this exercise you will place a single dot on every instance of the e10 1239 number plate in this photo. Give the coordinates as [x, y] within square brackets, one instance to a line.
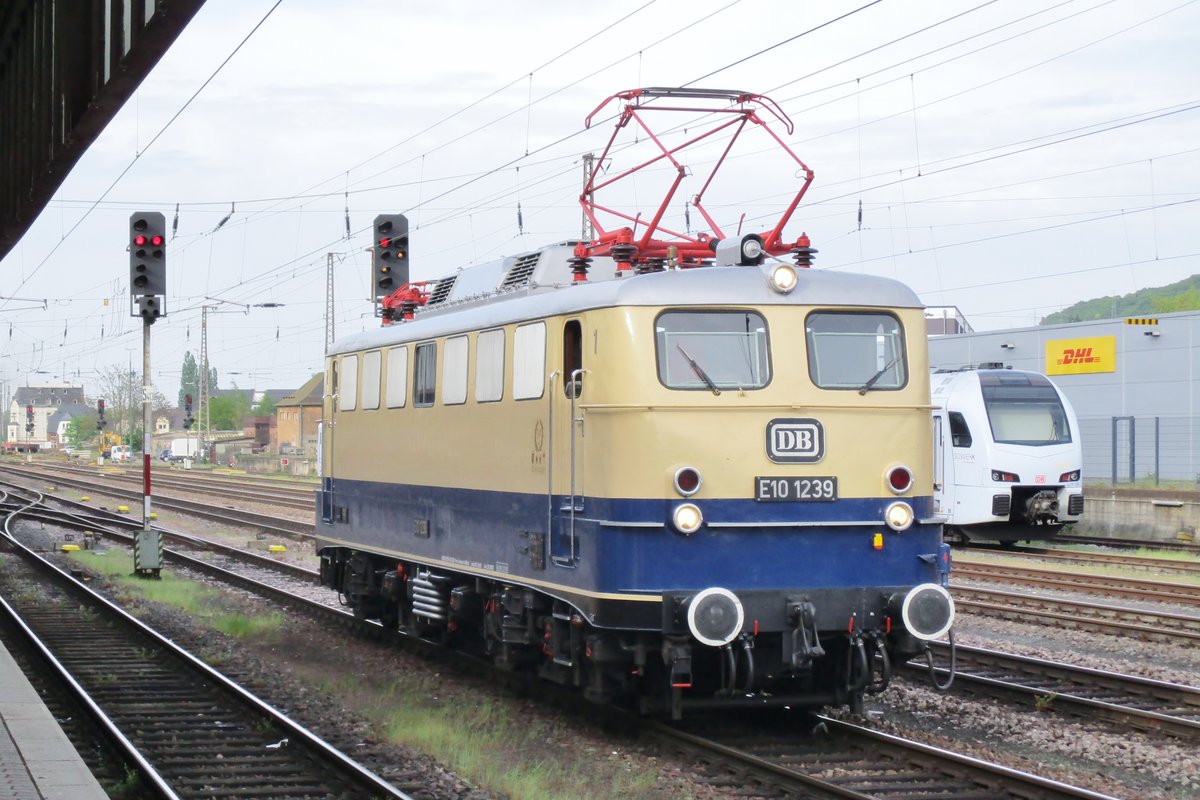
[785, 490]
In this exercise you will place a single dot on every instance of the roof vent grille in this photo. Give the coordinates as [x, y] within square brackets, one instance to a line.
[442, 290]
[521, 271]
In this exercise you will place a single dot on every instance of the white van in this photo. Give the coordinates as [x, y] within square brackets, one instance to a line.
[121, 452]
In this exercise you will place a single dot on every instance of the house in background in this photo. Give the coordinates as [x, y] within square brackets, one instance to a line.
[60, 419]
[46, 401]
[298, 417]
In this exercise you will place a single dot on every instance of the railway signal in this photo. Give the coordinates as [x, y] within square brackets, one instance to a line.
[188, 419]
[390, 251]
[29, 419]
[101, 422]
[148, 262]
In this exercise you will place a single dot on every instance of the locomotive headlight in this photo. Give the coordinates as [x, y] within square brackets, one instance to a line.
[783, 278]
[687, 518]
[715, 616]
[898, 516]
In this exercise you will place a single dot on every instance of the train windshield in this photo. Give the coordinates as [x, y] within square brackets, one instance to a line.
[853, 350]
[1024, 410]
[712, 350]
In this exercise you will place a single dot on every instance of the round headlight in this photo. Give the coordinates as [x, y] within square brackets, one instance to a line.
[783, 278]
[687, 518]
[899, 516]
[715, 617]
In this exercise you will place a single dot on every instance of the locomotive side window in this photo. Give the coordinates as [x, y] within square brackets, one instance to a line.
[348, 397]
[489, 366]
[852, 350]
[370, 379]
[425, 374]
[529, 361]
[454, 371]
[712, 350]
[960, 433]
[397, 377]
[572, 358]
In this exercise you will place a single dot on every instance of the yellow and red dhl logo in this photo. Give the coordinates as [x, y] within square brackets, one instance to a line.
[1075, 356]
[1078, 355]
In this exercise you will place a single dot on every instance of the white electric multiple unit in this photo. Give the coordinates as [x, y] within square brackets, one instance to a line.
[1007, 456]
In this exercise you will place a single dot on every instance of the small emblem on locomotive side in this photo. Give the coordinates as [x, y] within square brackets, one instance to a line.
[795, 441]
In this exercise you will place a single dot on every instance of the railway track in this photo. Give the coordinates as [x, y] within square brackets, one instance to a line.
[1109, 586]
[834, 759]
[1128, 700]
[191, 731]
[1146, 625]
[1092, 559]
[271, 524]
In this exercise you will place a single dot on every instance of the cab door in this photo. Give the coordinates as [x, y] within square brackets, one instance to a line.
[566, 481]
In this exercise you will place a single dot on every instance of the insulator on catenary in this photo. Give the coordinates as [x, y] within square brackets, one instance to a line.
[579, 268]
[623, 254]
[803, 252]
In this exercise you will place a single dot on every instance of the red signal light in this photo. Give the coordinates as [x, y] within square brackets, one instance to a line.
[140, 240]
[156, 240]
[385, 242]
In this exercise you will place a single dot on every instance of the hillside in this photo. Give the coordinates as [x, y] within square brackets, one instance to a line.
[1181, 296]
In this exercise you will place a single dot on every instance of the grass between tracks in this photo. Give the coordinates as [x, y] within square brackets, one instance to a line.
[207, 605]
[496, 744]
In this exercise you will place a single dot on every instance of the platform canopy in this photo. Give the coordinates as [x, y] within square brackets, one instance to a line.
[66, 68]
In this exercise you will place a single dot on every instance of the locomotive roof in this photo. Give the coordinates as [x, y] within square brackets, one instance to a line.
[698, 286]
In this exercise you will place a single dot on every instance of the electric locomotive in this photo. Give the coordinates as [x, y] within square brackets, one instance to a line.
[674, 474]
[1007, 455]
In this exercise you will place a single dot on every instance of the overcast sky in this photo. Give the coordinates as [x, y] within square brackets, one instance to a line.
[1010, 157]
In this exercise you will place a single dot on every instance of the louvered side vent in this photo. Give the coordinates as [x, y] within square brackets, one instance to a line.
[441, 291]
[518, 275]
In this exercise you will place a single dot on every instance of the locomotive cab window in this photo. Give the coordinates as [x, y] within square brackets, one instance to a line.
[424, 374]
[712, 350]
[855, 350]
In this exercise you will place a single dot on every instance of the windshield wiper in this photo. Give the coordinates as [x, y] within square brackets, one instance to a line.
[699, 370]
[866, 387]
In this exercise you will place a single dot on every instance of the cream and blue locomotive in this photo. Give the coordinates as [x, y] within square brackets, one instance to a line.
[1007, 455]
[681, 487]
[672, 471]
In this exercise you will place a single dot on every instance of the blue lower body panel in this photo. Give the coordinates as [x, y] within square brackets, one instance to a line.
[621, 551]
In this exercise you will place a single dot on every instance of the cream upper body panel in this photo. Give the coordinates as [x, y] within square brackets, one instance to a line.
[634, 431]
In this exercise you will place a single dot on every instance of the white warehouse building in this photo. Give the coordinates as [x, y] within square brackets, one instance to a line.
[1134, 383]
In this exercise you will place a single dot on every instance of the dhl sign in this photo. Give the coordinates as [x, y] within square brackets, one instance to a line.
[1079, 356]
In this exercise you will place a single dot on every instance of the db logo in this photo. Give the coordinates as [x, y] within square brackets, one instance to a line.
[1078, 355]
[795, 441]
